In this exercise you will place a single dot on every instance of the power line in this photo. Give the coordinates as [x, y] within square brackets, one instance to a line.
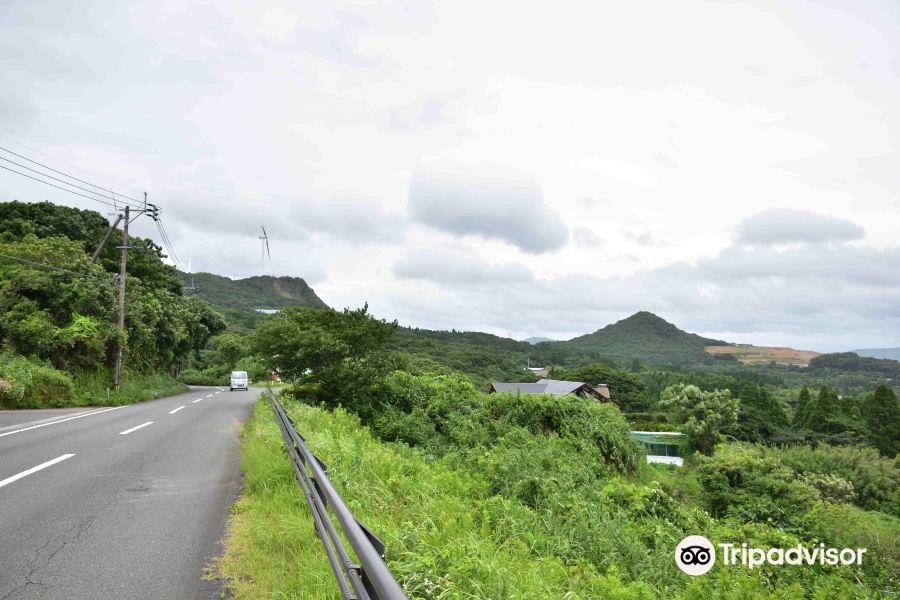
[135, 202]
[168, 242]
[117, 199]
[63, 181]
[51, 267]
[58, 187]
[62, 162]
[162, 232]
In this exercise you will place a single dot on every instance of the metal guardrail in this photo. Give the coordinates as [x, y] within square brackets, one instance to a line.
[370, 580]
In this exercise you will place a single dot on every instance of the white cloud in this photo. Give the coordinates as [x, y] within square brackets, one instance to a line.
[785, 226]
[486, 200]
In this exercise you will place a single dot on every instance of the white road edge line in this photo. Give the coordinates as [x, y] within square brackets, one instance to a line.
[127, 431]
[197, 400]
[96, 412]
[172, 412]
[49, 463]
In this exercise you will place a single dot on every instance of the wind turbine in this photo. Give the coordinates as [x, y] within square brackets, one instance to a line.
[264, 238]
[191, 288]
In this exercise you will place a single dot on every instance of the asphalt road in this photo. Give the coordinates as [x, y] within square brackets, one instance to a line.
[11, 419]
[100, 504]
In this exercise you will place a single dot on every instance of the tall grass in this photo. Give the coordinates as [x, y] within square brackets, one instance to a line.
[445, 537]
[31, 383]
[454, 531]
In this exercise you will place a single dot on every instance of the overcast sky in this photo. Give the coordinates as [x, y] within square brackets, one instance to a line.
[523, 168]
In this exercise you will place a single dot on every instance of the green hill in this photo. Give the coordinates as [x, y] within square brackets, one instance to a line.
[642, 336]
[483, 357]
[854, 363]
[255, 292]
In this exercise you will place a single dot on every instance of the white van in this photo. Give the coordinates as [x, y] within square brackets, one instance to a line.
[239, 380]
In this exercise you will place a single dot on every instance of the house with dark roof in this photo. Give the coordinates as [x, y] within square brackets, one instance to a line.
[555, 387]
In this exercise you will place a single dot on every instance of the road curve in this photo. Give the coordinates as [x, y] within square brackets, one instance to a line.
[120, 503]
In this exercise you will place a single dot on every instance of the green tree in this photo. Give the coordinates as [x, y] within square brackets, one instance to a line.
[228, 349]
[801, 412]
[87, 228]
[823, 413]
[67, 314]
[335, 351]
[702, 416]
[881, 412]
[760, 415]
[54, 315]
[829, 414]
[627, 391]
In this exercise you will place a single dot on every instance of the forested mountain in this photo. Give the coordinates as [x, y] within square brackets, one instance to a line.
[643, 336]
[254, 292]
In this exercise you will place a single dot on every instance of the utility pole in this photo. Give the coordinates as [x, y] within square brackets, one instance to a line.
[122, 268]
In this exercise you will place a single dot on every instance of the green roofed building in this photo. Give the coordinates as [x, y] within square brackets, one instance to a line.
[664, 447]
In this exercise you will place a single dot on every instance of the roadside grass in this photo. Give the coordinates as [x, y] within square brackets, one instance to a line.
[91, 388]
[30, 383]
[446, 536]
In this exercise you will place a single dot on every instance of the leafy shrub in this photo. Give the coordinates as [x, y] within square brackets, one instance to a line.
[31, 384]
[461, 418]
[744, 482]
[875, 479]
[648, 421]
[208, 376]
[847, 526]
[832, 488]
[94, 387]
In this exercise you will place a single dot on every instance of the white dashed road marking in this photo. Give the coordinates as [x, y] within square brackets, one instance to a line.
[49, 463]
[96, 412]
[127, 431]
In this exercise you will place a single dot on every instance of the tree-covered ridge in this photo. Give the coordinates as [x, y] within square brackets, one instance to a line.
[642, 336]
[254, 292]
[483, 357]
[850, 361]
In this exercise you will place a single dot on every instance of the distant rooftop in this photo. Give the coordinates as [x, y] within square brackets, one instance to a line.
[555, 387]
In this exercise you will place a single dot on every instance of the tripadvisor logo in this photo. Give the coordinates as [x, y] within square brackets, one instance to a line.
[695, 555]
